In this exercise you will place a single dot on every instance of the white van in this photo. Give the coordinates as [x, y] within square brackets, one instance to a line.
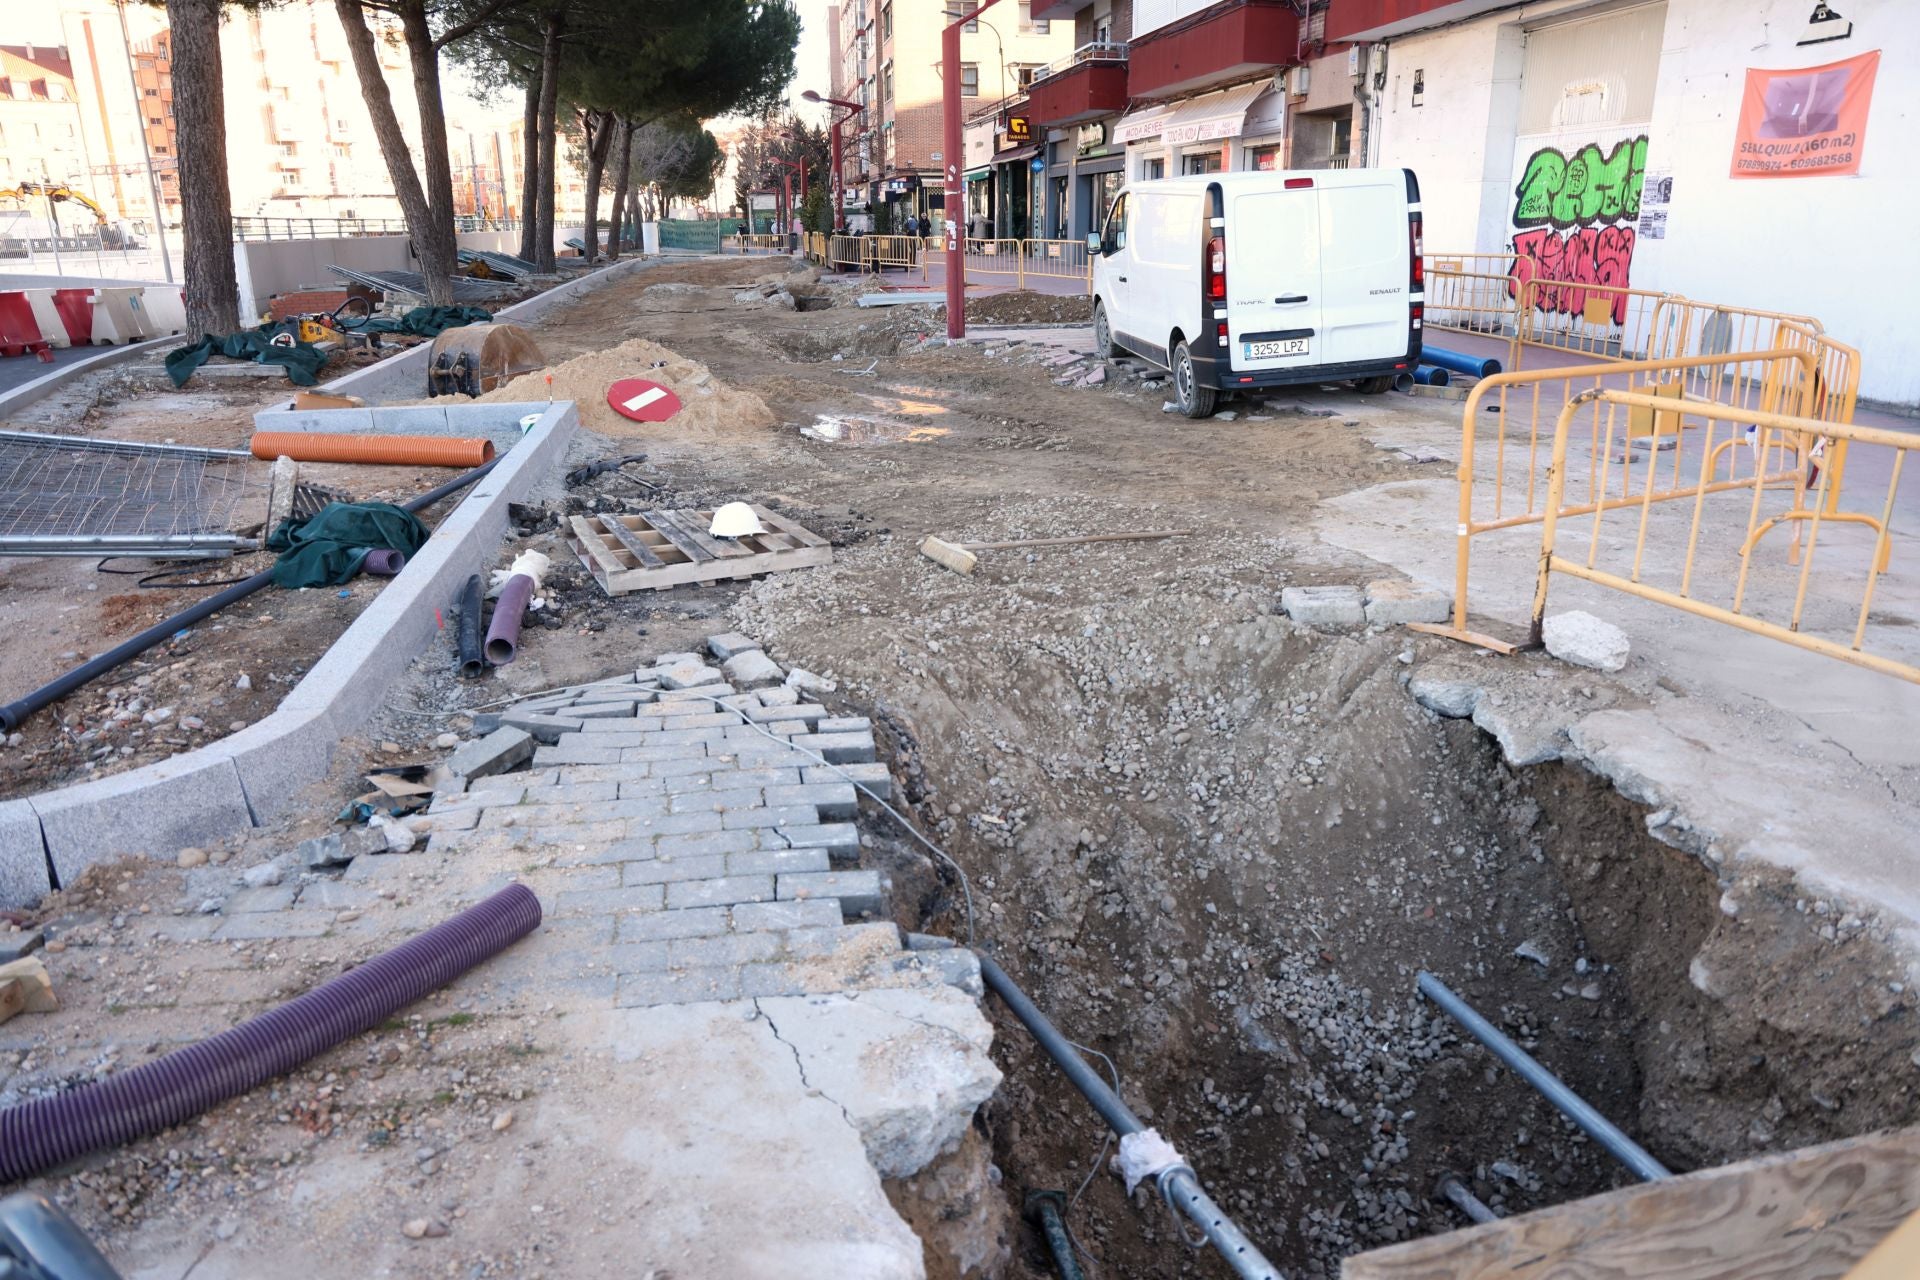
[1239, 281]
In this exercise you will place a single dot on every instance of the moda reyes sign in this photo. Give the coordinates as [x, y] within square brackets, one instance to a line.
[1806, 121]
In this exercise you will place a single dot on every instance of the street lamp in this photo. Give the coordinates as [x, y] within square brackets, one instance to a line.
[839, 199]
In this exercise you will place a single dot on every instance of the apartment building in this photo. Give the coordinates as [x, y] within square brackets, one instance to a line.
[887, 55]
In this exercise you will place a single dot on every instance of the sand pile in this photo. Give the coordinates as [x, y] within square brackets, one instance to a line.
[709, 404]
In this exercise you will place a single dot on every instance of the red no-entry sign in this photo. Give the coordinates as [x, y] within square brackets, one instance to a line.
[642, 400]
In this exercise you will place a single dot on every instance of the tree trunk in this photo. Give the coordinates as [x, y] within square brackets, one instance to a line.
[393, 143]
[549, 133]
[435, 242]
[530, 172]
[622, 171]
[211, 295]
[597, 127]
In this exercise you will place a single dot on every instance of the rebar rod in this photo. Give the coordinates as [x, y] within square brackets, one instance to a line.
[1179, 1184]
[1455, 1192]
[1570, 1104]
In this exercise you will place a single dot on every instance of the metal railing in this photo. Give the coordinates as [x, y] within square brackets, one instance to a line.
[1816, 604]
[1024, 260]
[758, 243]
[250, 227]
[1093, 51]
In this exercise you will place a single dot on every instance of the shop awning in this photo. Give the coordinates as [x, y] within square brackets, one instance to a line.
[1019, 155]
[1202, 119]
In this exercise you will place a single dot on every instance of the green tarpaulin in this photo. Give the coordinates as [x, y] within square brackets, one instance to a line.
[302, 361]
[329, 547]
[426, 322]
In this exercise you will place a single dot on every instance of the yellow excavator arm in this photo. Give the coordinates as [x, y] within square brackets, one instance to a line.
[40, 190]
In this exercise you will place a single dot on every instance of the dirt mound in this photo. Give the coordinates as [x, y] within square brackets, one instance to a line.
[709, 404]
[1027, 307]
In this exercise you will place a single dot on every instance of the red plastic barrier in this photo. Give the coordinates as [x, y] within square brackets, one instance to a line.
[19, 331]
[76, 312]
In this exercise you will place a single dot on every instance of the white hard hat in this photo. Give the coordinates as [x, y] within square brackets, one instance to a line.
[734, 520]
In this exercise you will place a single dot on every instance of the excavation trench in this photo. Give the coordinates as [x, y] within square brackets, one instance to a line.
[1219, 851]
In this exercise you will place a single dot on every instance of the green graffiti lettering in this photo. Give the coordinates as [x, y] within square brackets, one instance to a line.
[1585, 188]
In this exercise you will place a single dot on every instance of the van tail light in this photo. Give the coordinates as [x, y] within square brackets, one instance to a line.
[1418, 241]
[1419, 314]
[1217, 268]
[1220, 331]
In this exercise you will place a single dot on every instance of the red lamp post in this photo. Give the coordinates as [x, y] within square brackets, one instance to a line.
[839, 198]
[953, 143]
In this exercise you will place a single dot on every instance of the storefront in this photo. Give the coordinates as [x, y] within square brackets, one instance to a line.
[1230, 129]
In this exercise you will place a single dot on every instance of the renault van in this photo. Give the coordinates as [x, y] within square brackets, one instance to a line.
[1241, 281]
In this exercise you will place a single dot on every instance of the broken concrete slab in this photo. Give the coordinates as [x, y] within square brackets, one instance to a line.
[1395, 601]
[498, 752]
[912, 1101]
[1442, 691]
[729, 644]
[1324, 606]
[752, 669]
[1586, 641]
[542, 728]
[692, 674]
[23, 856]
[338, 848]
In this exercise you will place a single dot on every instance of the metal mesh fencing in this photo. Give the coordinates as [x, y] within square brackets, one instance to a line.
[73, 496]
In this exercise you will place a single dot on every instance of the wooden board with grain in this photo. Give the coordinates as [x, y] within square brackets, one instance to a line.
[1801, 1215]
[661, 549]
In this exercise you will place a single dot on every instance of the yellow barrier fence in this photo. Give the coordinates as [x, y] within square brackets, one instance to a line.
[1056, 259]
[1472, 293]
[1518, 411]
[755, 244]
[1817, 603]
[901, 253]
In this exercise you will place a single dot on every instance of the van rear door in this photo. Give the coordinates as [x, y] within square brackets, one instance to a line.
[1273, 278]
[1365, 267]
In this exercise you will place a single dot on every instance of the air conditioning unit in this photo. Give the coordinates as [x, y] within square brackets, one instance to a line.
[1298, 78]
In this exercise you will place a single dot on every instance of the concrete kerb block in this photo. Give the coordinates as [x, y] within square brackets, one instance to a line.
[23, 856]
[730, 645]
[752, 669]
[281, 755]
[1393, 601]
[1327, 606]
[498, 752]
[191, 799]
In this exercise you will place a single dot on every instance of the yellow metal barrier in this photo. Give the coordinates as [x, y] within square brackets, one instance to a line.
[1764, 432]
[843, 253]
[1472, 293]
[1596, 321]
[1509, 407]
[878, 253]
[1056, 259]
[755, 243]
[994, 257]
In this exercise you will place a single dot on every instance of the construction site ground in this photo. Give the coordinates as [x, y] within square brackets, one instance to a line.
[1211, 843]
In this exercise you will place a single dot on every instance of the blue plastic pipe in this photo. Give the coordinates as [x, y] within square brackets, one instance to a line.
[1459, 362]
[1432, 375]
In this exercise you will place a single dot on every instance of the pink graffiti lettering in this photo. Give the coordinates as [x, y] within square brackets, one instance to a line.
[1569, 259]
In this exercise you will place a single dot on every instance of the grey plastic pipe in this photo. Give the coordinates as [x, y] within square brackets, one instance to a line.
[509, 609]
[48, 1132]
[1571, 1104]
[1179, 1184]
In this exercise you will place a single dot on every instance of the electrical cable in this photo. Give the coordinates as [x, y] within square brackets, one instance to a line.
[152, 579]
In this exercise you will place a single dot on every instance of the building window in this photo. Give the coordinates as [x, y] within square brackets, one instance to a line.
[886, 20]
[957, 7]
[969, 79]
[151, 93]
[292, 177]
[289, 148]
[886, 83]
[1205, 162]
[342, 150]
[1263, 159]
[1154, 168]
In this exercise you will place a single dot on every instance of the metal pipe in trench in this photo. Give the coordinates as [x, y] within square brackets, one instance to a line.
[1179, 1185]
[15, 713]
[1570, 1104]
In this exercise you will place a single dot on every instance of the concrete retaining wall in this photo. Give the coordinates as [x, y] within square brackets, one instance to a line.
[255, 775]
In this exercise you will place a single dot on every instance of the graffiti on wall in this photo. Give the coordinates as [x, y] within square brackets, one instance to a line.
[1573, 218]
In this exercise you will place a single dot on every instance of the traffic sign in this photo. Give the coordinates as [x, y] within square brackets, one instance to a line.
[641, 400]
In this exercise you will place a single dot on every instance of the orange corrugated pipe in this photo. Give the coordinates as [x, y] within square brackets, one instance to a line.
[321, 446]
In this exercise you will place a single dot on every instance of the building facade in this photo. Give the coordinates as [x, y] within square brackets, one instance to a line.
[887, 58]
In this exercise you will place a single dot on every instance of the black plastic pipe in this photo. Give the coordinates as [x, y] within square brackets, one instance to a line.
[14, 714]
[473, 663]
[1046, 1210]
[36, 1232]
[503, 632]
[1179, 1184]
[48, 1132]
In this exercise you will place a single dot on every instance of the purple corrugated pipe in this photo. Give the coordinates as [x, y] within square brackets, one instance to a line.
[503, 633]
[384, 562]
[48, 1132]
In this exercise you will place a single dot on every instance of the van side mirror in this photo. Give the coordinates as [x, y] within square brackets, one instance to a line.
[1093, 242]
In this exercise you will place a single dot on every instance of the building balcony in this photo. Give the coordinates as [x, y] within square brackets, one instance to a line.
[1356, 20]
[1088, 83]
[1227, 41]
[1059, 10]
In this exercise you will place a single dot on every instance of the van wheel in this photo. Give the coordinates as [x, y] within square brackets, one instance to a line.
[1194, 400]
[1375, 386]
[1102, 333]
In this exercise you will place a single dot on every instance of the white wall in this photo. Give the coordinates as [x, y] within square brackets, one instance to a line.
[1837, 248]
[267, 267]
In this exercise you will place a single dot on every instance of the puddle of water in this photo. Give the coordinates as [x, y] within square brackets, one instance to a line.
[837, 428]
[912, 408]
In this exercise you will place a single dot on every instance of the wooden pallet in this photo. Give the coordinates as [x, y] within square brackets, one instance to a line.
[656, 550]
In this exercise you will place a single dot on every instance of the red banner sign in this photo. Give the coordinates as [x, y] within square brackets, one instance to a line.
[1805, 122]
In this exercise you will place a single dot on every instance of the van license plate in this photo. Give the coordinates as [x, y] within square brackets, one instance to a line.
[1275, 350]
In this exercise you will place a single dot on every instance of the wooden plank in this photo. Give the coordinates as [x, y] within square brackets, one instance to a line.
[591, 545]
[694, 525]
[665, 526]
[774, 520]
[1897, 1258]
[1802, 1215]
[631, 541]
